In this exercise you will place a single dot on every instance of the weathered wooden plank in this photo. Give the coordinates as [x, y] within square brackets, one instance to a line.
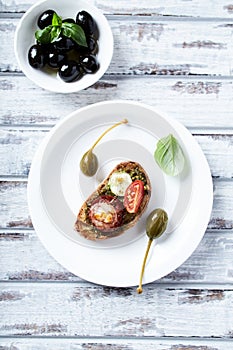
[62, 309]
[17, 150]
[32, 262]
[169, 47]
[22, 103]
[213, 257]
[113, 344]
[192, 8]
[14, 210]
[20, 146]
[169, 315]
[14, 205]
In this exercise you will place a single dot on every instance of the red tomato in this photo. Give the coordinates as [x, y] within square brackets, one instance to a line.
[133, 196]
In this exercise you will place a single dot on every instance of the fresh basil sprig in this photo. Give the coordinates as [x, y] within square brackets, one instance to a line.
[169, 155]
[56, 20]
[47, 35]
[75, 32]
[52, 32]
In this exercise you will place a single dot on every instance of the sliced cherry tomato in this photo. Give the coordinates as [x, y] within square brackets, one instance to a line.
[133, 196]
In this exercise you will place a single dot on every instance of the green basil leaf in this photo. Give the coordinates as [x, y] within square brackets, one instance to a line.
[48, 34]
[43, 35]
[55, 32]
[169, 155]
[57, 20]
[75, 32]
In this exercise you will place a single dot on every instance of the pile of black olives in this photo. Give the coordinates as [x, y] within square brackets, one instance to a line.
[64, 55]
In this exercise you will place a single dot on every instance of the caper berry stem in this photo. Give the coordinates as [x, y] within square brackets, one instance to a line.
[124, 121]
[156, 224]
[89, 161]
[139, 289]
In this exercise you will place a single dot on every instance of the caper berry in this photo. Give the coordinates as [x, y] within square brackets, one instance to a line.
[89, 163]
[156, 224]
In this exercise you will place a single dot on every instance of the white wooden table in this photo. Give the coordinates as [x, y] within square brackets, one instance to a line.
[175, 55]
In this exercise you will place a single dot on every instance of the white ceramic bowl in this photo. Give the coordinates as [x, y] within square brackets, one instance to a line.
[25, 38]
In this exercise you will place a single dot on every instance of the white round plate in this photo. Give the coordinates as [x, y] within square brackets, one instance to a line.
[57, 189]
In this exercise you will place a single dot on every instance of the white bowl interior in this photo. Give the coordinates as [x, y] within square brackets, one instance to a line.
[25, 38]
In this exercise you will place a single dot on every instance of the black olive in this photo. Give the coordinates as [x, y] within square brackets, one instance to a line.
[87, 22]
[70, 71]
[45, 19]
[37, 57]
[92, 46]
[89, 64]
[63, 44]
[69, 20]
[46, 48]
[56, 59]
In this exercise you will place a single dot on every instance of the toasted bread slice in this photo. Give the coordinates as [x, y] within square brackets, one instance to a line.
[84, 225]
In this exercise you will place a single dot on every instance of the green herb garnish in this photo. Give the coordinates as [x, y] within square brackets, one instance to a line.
[52, 32]
[56, 20]
[169, 155]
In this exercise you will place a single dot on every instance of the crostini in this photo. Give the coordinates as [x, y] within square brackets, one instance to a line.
[117, 203]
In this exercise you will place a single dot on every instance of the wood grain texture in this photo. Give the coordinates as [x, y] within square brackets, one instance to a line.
[192, 8]
[150, 314]
[175, 56]
[21, 148]
[14, 211]
[113, 344]
[168, 47]
[21, 145]
[33, 263]
[177, 97]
